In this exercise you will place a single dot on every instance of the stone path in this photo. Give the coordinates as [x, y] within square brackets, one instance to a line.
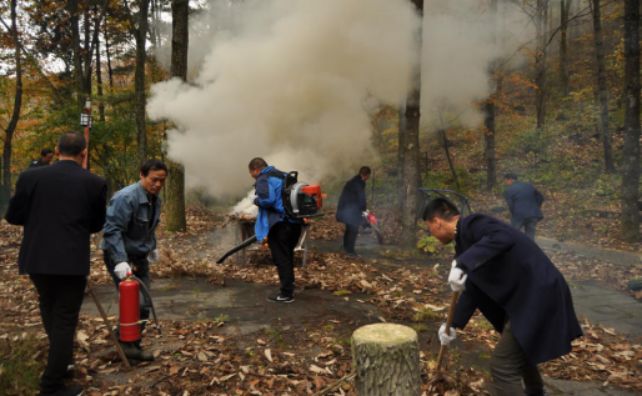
[608, 307]
[583, 250]
[241, 305]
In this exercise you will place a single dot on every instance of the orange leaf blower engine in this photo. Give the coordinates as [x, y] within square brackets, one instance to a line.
[302, 199]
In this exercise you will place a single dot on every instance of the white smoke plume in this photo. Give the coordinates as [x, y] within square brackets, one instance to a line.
[460, 41]
[290, 81]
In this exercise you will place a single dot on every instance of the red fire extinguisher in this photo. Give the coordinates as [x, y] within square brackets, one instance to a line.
[129, 303]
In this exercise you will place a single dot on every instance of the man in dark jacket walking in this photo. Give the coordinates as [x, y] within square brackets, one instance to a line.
[59, 206]
[524, 203]
[272, 222]
[505, 275]
[351, 207]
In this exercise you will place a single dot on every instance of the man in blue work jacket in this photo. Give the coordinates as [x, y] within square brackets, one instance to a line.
[282, 231]
[129, 239]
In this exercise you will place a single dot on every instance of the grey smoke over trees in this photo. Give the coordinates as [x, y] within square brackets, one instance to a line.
[292, 82]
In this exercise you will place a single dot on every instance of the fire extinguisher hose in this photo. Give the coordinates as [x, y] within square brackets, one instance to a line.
[145, 290]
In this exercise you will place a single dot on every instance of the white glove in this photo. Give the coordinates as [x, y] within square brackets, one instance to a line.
[457, 278]
[444, 338]
[365, 213]
[122, 270]
[152, 256]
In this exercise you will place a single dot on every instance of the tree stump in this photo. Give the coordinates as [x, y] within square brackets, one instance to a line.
[385, 358]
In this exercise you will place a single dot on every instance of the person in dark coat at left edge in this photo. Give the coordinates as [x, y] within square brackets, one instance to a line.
[351, 207]
[59, 206]
[503, 273]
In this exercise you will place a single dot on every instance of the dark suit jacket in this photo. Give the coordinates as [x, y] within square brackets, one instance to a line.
[352, 202]
[524, 201]
[511, 279]
[59, 206]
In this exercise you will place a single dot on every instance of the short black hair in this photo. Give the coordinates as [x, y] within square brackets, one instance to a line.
[71, 143]
[440, 207]
[152, 165]
[510, 176]
[257, 163]
[365, 171]
[45, 152]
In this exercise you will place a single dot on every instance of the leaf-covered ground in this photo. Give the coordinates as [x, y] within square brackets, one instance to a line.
[198, 357]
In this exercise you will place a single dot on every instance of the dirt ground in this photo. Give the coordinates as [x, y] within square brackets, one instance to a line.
[220, 336]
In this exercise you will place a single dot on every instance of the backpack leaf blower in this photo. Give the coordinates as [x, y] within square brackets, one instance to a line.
[300, 200]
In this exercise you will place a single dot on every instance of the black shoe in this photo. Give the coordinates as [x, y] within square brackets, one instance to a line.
[135, 352]
[71, 372]
[279, 298]
[66, 391]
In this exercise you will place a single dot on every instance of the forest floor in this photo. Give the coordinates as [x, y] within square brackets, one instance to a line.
[219, 335]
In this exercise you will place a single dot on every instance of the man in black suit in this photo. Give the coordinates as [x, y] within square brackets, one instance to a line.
[59, 206]
[505, 275]
[351, 206]
[524, 203]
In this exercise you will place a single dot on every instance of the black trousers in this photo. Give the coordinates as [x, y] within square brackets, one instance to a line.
[350, 238]
[282, 240]
[60, 298]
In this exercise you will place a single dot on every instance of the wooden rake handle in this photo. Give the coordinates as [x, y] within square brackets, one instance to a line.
[449, 322]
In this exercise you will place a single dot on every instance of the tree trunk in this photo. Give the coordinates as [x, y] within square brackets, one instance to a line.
[72, 8]
[565, 6]
[175, 192]
[15, 115]
[99, 80]
[87, 55]
[489, 144]
[601, 90]
[400, 158]
[631, 147]
[139, 79]
[489, 116]
[540, 63]
[385, 358]
[110, 70]
[410, 149]
[451, 164]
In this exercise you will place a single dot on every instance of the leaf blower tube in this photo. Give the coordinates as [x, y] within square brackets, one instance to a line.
[129, 290]
[237, 248]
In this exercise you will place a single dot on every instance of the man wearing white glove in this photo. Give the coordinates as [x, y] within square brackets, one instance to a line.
[122, 270]
[129, 240]
[457, 278]
[505, 275]
[444, 338]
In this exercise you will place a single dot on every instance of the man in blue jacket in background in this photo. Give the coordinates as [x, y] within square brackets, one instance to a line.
[505, 275]
[524, 203]
[282, 231]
